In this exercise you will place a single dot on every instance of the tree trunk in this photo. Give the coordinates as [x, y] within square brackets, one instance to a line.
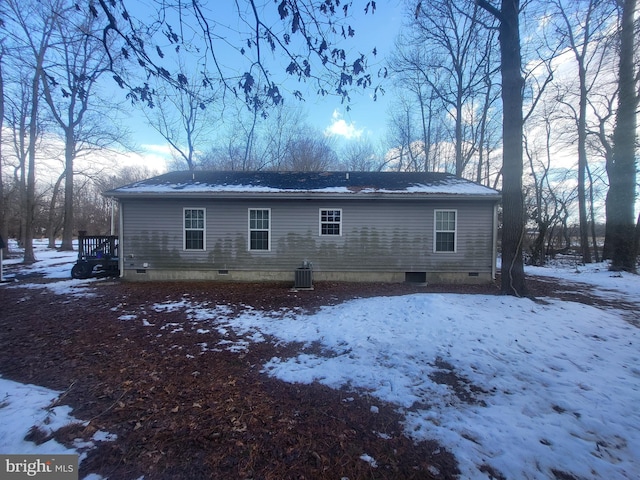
[426, 129]
[636, 242]
[4, 224]
[22, 180]
[483, 130]
[582, 166]
[512, 269]
[538, 247]
[607, 250]
[622, 171]
[513, 278]
[29, 256]
[52, 229]
[39, 50]
[592, 215]
[69, 155]
[459, 160]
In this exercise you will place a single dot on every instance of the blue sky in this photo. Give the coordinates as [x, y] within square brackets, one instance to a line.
[365, 115]
[364, 118]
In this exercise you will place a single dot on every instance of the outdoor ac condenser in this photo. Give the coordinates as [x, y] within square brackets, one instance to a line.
[304, 277]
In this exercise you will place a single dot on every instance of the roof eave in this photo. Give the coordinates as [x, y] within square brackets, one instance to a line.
[308, 195]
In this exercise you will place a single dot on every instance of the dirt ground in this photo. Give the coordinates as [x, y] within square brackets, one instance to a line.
[180, 413]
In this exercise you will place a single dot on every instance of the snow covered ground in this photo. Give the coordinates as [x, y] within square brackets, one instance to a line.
[544, 386]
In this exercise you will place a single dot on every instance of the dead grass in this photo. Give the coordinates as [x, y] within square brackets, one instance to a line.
[180, 413]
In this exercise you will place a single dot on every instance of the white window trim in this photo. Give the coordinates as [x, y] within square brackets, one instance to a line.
[435, 231]
[320, 221]
[204, 230]
[258, 230]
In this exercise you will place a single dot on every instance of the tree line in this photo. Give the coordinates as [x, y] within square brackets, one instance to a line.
[550, 121]
[539, 118]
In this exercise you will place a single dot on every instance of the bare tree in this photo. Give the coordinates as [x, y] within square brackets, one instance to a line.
[31, 26]
[410, 69]
[16, 120]
[95, 212]
[310, 153]
[407, 140]
[249, 137]
[252, 141]
[399, 135]
[584, 25]
[545, 204]
[4, 224]
[55, 218]
[486, 137]
[296, 37]
[360, 156]
[512, 269]
[445, 48]
[184, 117]
[75, 62]
[278, 130]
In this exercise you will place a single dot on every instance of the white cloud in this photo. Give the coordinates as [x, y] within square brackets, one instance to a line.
[152, 156]
[340, 127]
[163, 150]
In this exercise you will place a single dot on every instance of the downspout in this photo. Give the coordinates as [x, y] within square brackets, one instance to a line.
[112, 226]
[494, 254]
[120, 242]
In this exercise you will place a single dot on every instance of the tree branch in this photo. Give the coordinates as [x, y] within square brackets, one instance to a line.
[490, 8]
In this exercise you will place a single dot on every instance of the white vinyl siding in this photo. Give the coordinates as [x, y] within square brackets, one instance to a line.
[383, 236]
[194, 228]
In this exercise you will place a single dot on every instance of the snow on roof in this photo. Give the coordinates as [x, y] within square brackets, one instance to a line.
[363, 183]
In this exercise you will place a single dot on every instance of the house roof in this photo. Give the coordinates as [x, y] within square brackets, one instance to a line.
[304, 184]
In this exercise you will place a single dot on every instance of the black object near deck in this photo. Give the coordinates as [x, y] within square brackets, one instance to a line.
[97, 255]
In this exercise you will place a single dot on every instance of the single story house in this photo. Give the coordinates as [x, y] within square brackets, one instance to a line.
[344, 226]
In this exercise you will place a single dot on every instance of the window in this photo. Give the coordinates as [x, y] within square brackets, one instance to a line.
[330, 222]
[194, 228]
[259, 228]
[445, 231]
